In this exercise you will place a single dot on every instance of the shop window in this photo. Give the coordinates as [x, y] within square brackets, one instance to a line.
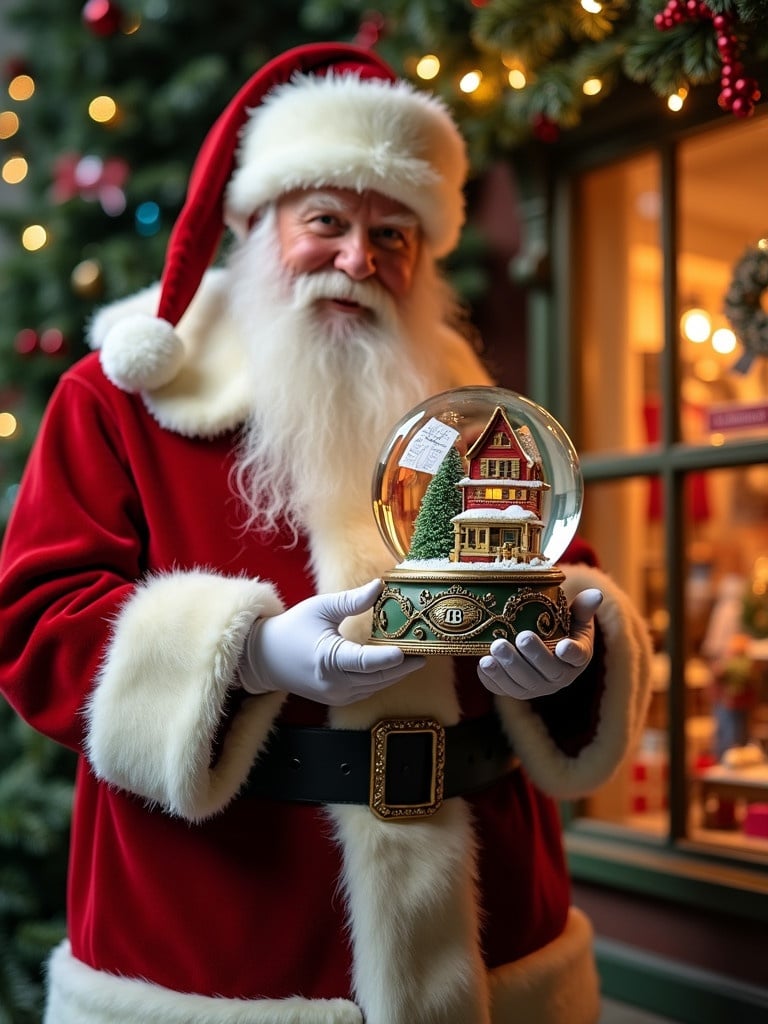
[619, 306]
[671, 414]
[622, 520]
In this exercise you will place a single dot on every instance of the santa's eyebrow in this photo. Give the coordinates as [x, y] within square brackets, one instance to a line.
[401, 219]
[324, 201]
[327, 202]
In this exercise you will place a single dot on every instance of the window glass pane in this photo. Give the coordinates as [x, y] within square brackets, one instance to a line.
[619, 303]
[724, 639]
[727, 663]
[622, 521]
[723, 227]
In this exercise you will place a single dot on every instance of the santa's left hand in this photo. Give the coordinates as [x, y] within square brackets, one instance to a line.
[529, 669]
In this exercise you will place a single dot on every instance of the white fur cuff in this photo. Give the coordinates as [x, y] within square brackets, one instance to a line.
[160, 697]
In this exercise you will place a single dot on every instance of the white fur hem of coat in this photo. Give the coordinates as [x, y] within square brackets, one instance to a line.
[556, 985]
[161, 694]
[622, 708]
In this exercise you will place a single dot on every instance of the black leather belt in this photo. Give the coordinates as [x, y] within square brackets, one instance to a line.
[401, 768]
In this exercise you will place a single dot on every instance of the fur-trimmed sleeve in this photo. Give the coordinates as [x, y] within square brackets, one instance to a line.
[155, 715]
[572, 742]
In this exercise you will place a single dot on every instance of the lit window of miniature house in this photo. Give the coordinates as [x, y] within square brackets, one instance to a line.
[502, 497]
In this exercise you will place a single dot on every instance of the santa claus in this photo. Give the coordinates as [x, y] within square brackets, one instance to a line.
[185, 597]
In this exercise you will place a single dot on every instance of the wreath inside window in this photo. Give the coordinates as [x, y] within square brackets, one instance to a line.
[743, 304]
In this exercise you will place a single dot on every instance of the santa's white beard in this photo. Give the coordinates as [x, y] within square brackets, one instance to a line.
[327, 389]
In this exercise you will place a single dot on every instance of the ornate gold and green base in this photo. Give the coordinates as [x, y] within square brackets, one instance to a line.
[463, 611]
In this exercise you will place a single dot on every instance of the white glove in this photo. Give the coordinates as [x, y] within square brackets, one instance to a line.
[301, 651]
[529, 669]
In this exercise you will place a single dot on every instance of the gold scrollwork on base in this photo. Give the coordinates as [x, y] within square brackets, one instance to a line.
[455, 619]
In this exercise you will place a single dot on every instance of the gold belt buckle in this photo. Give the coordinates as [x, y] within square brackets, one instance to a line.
[380, 734]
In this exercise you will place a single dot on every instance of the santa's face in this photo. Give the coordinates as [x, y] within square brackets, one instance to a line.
[364, 235]
[342, 310]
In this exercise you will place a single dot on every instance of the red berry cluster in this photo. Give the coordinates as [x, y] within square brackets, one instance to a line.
[738, 92]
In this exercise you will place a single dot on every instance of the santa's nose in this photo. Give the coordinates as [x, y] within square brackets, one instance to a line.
[355, 256]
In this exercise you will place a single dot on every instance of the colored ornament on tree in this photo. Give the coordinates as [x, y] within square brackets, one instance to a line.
[370, 31]
[743, 305]
[738, 92]
[102, 17]
[26, 342]
[52, 342]
[545, 129]
[91, 178]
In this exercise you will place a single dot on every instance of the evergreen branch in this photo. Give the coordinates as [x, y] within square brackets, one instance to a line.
[668, 60]
[601, 60]
[554, 94]
[532, 32]
[747, 10]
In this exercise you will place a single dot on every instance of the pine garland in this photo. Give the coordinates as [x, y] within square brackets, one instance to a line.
[558, 45]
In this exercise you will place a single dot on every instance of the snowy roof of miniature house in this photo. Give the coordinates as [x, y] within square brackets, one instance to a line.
[495, 481]
[522, 435]
[512, 512]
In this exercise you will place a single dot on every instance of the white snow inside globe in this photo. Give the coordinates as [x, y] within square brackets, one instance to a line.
[503, 467]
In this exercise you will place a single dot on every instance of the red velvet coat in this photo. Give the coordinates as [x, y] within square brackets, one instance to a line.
[127, 588]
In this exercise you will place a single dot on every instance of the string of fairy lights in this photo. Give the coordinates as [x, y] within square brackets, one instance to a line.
[485, 84]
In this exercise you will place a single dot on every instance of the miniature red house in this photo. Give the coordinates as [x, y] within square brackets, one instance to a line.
[502, 497]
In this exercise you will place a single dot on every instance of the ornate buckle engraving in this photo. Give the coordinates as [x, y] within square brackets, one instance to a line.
[380, 734]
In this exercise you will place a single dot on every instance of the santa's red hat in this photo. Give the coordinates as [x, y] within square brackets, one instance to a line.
[320, 115]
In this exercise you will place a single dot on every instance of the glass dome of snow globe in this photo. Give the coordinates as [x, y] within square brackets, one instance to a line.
[477, 493]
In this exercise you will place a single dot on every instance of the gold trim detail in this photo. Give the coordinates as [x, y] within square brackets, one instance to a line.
[380, 734]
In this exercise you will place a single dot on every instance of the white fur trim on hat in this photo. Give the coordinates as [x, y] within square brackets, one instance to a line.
[340, 131]
[141, 353]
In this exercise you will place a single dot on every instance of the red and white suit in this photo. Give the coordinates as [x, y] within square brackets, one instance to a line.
[127, 590]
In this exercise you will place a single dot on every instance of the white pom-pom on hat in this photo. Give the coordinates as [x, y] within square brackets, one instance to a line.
[141, 353]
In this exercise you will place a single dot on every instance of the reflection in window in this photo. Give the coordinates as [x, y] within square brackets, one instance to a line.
[722, 216]
[622, 521]
[619, 331]
[727, 726]
[725, 676]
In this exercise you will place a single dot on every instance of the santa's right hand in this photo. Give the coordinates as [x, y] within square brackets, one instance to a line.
[301, 651]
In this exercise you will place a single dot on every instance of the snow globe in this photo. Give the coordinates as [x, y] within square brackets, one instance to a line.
[477, 492]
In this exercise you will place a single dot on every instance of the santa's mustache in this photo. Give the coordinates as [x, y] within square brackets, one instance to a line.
[331, 284]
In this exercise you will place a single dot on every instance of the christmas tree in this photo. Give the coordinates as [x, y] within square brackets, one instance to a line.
[433, 530]
[107, 104]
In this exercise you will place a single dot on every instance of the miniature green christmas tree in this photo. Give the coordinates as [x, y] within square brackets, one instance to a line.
[432, 530]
